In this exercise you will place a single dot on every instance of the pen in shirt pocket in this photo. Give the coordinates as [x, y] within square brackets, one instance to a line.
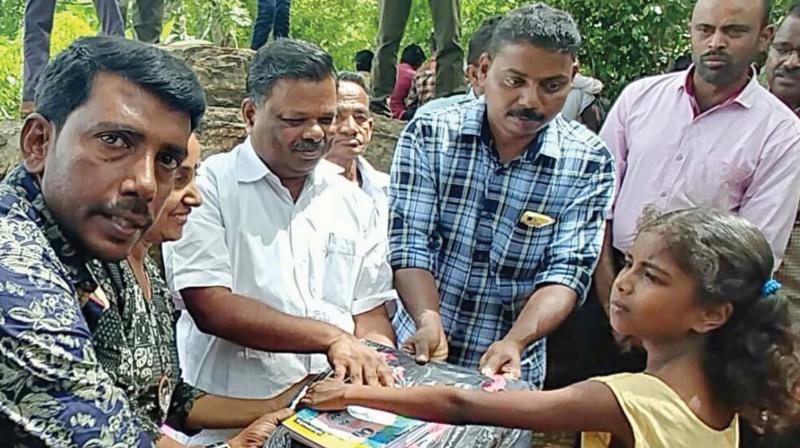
[535, 220]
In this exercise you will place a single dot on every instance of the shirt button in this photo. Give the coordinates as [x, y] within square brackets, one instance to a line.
[486, 214]
[663, 194]
[679, 158]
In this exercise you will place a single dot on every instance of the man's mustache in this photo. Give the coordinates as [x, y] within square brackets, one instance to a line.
[309, 145]
[132, 207]
[786, 73]
[526, 114]
[716, 54]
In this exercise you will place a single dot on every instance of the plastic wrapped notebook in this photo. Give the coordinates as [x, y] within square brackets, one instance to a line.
[353, 428]
[359, 427]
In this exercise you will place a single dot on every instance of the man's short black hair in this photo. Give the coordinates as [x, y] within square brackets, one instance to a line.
[286, 59]
[354, 78]
[67, 81]
[364, 60]
[413, 55]
[481, 38]
[540, 25]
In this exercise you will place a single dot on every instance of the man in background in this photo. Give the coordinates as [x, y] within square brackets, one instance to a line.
[352, 133]
[363, 62]
[478, 45]
[449, 55]
[38, 24]
[148, 18]
[272, 16]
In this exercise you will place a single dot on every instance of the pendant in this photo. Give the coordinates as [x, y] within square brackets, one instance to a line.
[164, 395]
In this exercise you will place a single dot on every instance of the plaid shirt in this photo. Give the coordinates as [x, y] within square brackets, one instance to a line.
[423, 87]
[455, 211]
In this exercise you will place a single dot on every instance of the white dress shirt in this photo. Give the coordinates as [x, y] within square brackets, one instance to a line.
[376, 185]
[322, 257]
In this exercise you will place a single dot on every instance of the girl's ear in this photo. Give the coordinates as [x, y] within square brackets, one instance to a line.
[712, 317]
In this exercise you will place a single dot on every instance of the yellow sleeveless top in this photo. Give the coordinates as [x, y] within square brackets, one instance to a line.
[659, 417]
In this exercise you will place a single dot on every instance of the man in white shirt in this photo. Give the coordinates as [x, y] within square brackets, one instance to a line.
[352, 133]
[284, 255]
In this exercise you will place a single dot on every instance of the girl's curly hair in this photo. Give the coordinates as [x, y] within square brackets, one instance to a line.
[752, 361]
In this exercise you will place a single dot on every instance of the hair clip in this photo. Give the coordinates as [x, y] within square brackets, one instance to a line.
[770, 287]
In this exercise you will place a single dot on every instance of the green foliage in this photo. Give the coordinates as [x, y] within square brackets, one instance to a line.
[223, 22]
[69, 25]
[624, 39]
[343, 29]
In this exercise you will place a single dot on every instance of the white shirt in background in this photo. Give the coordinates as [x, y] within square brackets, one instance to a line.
[376, 185]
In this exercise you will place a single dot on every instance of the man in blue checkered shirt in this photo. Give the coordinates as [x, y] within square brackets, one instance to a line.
[498, 207]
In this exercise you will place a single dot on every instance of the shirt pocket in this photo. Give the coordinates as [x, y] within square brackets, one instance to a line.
[715, 182]
[519, 257]
[343, 260]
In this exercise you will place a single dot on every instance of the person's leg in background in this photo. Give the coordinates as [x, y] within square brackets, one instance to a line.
[148, 20]
[391, 26]
[282, 12]
[124, 5]
[265, 18]
[37, 25]
[110, 15]
[449, 54]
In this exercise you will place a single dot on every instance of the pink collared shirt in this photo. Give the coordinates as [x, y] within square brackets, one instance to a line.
[742, 156]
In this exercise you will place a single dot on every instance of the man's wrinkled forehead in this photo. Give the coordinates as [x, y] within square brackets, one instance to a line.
[351, 96]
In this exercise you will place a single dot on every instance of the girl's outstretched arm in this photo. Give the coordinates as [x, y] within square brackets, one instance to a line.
[586, 406]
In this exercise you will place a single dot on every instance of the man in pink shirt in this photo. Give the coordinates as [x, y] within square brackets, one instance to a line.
[710, 136]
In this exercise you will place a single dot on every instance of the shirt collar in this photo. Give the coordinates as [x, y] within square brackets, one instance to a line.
[547, 141]
[325, 169]
[250, 167]
[27, 186]
[369, 178]
[744, 97]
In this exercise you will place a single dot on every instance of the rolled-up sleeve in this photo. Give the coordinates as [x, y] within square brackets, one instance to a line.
[53, 391]
[578, 236]
[412, 203]
[374, 282]
[201, 257]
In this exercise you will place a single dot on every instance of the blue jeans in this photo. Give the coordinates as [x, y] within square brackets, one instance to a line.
[271, 15]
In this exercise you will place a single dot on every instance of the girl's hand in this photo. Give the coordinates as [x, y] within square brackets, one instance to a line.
[326, 395]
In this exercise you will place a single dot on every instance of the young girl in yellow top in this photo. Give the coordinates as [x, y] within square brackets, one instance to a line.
[696, 289]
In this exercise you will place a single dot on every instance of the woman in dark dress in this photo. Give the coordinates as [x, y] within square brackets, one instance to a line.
[135, 339]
